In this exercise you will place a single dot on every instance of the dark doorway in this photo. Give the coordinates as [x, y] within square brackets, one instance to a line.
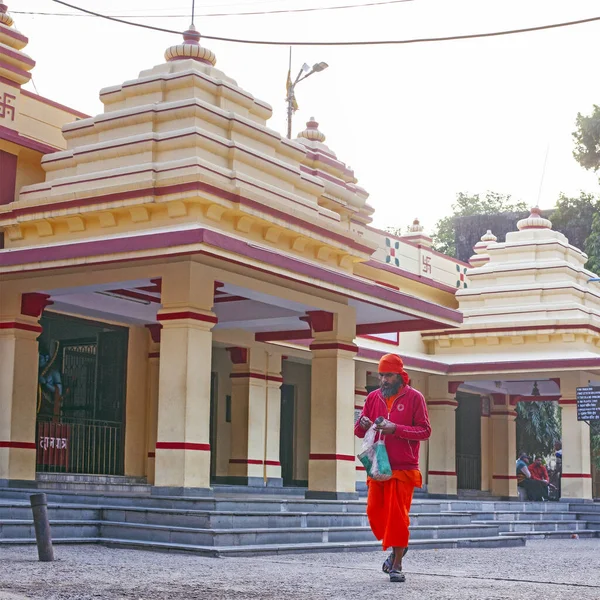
[286, 433]
[81, 396]
[468, 442]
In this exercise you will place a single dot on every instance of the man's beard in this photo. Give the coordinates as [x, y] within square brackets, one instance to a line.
[389, 390]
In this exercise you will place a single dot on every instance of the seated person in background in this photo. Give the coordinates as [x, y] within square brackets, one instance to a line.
[539, 473]
[524, 480]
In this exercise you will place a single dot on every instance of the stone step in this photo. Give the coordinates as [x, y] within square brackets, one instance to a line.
[96, 487]
[591, 517]
[43, 478]
[218, 519]
[585, 533]
[538, 526]
[506, 515]
[24, 529]
[270, 549]
[10, 511]
[274, 535]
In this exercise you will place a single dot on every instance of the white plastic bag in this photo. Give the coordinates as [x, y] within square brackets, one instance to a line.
[374, 456]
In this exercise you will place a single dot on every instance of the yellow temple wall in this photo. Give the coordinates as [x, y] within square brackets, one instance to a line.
[136, 404]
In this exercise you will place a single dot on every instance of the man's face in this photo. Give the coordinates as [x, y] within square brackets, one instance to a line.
[538, 461]
[389, 383]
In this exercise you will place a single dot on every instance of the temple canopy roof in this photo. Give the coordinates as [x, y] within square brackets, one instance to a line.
[14, 64]
[531, 290]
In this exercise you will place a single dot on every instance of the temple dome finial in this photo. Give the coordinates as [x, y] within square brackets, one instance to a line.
[312, 132]
[416, 227]
[5, 18]
[191, 49]
[535, 220]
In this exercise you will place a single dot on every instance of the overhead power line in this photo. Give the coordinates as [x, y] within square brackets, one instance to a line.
[231, 14]
[354, 43]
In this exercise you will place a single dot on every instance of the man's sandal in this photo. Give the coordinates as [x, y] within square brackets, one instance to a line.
[397, 576]
[389, 561]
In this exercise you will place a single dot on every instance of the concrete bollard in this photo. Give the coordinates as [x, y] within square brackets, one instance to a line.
[39, 507]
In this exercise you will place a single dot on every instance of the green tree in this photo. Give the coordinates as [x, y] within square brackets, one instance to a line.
[467, 205]
[587, 140]
[575, 218]
[592, 243]
[538, 427]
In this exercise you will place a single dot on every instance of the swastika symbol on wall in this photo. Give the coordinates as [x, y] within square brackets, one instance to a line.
[462, 274]
[392, 251]
[7, 108]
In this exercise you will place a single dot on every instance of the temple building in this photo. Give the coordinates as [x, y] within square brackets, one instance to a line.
[190, 298]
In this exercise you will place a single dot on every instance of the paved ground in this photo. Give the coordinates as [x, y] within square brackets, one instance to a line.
[543, 570]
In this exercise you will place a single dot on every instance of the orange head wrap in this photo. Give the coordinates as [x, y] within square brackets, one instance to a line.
[392, 363]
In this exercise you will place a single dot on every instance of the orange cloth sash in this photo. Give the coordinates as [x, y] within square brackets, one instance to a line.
[388, 505]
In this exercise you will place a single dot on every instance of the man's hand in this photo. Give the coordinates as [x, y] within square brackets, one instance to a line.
[365, 423]
[385, 427]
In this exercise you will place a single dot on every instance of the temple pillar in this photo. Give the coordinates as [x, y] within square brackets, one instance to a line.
[360, 395]
[255, 417]
[504, 446]
[182, 462]
[19, 330]
[576, 479]
[331, 466]
[152, 396]
[441, 405]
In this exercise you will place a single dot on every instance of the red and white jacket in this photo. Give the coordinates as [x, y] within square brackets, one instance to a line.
[409, 413]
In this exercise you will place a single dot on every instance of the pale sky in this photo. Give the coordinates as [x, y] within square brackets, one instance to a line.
[418, 123]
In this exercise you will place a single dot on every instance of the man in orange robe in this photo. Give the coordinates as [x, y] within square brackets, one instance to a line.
[404, 424]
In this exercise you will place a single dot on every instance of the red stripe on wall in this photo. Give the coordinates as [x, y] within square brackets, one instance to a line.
[153, 354]
[21, 445]
[361, 393]
[256, 376]
[334, 346]
[562, 402]
[504, 476]
[186, 315]
[21, 326]
[151, 454]
[444, 473]
[576, 475]
[182, 446]
[331, 457]
[254, 461]
[361, 468]
[357, 407]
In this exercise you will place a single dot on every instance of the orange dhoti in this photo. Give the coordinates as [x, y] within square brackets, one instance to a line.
[388, 505]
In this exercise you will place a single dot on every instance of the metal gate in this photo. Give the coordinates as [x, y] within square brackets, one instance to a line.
[86, 435]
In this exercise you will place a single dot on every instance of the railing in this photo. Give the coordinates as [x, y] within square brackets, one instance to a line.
[468, 470]
[80, 446]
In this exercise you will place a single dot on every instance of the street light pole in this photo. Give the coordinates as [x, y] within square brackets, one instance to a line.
[291, 98]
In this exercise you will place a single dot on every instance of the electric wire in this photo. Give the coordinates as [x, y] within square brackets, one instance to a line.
[238, 14]
[353, 43]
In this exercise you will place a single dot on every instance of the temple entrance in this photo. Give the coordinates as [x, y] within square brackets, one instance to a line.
[81, 396]
[468, 441]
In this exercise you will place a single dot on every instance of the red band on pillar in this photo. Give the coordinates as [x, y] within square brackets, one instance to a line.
[331, 457]
[182, 446]
[21, 445]
[21, 326]
[576, 475]
[443, 473]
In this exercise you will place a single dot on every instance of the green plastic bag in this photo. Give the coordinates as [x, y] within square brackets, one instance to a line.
[374, 457]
